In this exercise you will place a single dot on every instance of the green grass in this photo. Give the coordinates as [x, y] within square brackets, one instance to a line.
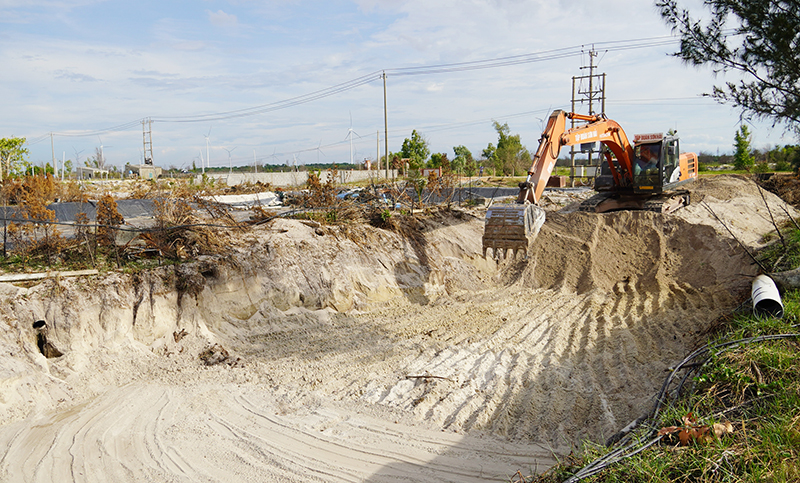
[753, 385]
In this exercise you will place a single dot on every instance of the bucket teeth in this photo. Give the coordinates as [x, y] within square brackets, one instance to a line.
[511, 228]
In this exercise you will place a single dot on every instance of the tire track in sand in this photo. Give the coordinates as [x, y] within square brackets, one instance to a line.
[208, 434]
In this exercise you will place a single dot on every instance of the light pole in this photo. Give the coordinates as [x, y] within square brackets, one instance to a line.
[208, 158]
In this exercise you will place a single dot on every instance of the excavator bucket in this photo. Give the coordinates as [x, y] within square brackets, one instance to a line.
[510, 228]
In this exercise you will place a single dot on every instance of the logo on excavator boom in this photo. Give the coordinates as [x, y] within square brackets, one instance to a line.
[585, 135]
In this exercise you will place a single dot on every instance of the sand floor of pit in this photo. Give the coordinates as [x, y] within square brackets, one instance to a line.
[365, 354]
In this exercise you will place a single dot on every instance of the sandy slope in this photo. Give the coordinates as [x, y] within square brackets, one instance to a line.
[360, 354]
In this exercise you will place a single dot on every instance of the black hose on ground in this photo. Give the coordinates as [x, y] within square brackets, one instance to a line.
[650, 437]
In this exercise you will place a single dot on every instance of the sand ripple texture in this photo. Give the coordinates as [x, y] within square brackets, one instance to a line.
[196, 434]
[351, 353]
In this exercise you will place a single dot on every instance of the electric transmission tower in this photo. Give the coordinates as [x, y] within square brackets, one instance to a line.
[147, 140]
[587, 89]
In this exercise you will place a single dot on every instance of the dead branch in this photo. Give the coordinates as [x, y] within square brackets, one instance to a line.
[705, 205]
[790, 217]
[788, 280]
[772, 218]
[428, 376]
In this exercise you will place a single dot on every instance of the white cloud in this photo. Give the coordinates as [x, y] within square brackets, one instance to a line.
[73, 76]
[222, 19]
[190, 45]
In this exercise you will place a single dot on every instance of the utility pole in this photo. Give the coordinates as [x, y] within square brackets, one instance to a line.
[53, 149]
[385, 126]
[377, 152]
[596, 92]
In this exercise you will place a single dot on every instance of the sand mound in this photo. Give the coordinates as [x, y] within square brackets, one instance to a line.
[352, 353]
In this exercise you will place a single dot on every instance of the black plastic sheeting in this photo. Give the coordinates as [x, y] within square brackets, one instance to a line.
[67, 212]
[127, 208]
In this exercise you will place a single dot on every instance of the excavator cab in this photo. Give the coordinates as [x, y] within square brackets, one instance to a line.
[647, 167]
[658, 165]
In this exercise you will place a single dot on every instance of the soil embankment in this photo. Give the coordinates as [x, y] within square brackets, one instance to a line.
[353, 353]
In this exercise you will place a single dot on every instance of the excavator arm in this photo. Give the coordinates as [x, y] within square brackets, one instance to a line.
[555, 136]
[510, 227]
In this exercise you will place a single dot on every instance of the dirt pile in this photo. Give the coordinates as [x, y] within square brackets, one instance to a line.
[353, 353]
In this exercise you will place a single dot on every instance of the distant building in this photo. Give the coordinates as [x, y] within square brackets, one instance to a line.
[144, 171]
[85, 172]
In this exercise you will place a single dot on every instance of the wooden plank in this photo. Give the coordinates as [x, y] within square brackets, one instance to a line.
[21, 277]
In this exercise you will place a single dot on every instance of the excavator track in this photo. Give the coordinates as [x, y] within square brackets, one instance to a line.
[592, 203]
[663, 203]
[668, 202]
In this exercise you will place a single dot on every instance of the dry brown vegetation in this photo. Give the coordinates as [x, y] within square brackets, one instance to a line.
[32, 230]
[185, 223]
[32, 238]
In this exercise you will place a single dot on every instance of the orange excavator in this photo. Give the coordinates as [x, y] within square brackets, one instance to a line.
[639, 176]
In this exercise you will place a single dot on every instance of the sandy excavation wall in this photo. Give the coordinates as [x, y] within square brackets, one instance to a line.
[289, 267]
[410, 324]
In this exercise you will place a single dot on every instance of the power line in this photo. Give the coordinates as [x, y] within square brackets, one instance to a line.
[493, 63]
[121, 127]
[264, 108]
[499, 62]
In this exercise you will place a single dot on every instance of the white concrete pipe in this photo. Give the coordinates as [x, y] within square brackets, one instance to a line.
[766, 298]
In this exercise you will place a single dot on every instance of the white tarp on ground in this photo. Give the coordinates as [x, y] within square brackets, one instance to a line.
[264, 199]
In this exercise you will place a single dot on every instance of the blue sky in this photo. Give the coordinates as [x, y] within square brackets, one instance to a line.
[90, 71]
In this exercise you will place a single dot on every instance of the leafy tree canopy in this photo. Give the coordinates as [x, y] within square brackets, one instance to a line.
[416, 150]
[439, 160]
[785, 156]
[743, 154]
[488, 153]
[755, 37]
[12, 156]
[510, 156]
[462, 157]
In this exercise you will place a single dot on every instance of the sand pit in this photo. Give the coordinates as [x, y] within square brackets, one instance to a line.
[353, 353]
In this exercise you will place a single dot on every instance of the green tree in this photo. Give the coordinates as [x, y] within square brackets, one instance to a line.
[12, 155]
[754, 37]
[470, 169]
[438, 160]
[785, 158]
[416, 150]
[488, 154]
[462, 157]
[743, 155]
[510, 156]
